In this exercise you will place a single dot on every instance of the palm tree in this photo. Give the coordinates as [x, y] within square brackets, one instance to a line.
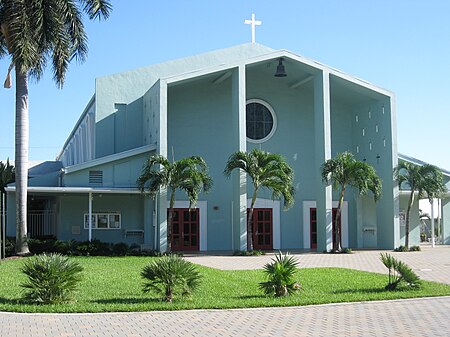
[266, 170]
[424, 180]
[187, 174]
[344, 171]
[33, 33]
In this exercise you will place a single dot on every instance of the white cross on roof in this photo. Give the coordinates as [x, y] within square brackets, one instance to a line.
[253, 23]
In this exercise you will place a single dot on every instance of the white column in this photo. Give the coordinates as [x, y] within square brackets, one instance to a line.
[322, 130]
[90, 216]
[239, 179]
[162, 122]
[432, 223]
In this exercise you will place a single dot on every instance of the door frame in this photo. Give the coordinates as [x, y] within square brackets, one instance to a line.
[203, 231]
[181, 222]
[257, 209]
[276, 230]
[307, 205]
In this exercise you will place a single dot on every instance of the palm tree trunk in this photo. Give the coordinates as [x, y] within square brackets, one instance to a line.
[337, 246]
[250, 223]
[21, 160]
[408, 211]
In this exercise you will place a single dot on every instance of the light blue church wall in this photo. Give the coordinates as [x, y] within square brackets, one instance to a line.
[200, 123]
[293, 138]
[73, 207]
[121, 130]
[119, 173]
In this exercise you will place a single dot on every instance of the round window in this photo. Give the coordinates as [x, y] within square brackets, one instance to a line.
[261, 121]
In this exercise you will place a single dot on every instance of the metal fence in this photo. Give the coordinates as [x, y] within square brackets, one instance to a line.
[41, 224]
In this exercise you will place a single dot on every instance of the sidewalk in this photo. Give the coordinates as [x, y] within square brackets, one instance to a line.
[416, 317]
[413, 317]
[431, 264]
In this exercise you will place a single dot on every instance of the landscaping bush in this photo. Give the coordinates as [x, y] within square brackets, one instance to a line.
[38, 246]
[347, 251]
[399, 272]
[280, 276]
[10, 246]
[120, 249]
[405, 249]
[170, 275]
[248, 253]
[401, 249]
[51, 278]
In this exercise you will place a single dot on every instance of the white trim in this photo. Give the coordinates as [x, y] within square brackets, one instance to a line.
[276, 228]
[274, 118]
[67, 190]
[307, 205]
[110, 158]
[276, 54]
[203, 225]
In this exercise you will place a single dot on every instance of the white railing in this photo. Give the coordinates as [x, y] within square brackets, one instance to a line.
[41, 223]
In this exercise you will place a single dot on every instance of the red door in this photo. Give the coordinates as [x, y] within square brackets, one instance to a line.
[262, 228]
[185, 229]
[313, 226]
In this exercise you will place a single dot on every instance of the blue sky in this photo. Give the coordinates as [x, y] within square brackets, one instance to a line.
[401, 45]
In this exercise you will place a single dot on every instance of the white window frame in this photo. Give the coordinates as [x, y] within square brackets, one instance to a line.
[274, 118]
[96, 215]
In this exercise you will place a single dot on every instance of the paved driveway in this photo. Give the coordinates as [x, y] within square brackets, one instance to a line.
[414, 317]
[432, 264]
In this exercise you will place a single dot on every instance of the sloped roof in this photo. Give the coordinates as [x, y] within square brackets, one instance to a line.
[416, 161]
[44, 168]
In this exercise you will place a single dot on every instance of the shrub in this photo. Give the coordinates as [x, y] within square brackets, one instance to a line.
[401, 249]
[120, 249]
[248, 253]
[10, 246]
[280, 276]
[170, 275]
[51, 278]
[347, 250]
[399, 272]
[405, 249]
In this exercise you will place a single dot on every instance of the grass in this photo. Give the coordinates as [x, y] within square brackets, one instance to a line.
[114, 284]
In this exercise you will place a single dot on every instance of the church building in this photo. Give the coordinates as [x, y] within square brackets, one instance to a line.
[211, 105]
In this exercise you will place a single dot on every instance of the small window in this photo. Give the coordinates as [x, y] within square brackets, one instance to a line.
[103, 220]
[261, 121]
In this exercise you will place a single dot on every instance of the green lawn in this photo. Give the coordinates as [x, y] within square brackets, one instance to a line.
[114, 284]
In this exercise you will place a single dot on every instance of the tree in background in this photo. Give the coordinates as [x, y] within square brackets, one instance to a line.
[426, 180]
[344, 171]
[34, 33]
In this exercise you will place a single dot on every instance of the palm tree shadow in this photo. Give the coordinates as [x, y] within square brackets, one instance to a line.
[361, 290]
[135, 300]
[246, 297]
[12, 301]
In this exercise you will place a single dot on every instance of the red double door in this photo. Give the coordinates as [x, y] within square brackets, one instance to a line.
[185, 234]
[313, 226]
[262, 221]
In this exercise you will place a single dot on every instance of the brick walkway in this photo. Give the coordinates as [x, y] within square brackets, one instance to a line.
[415, 317]
[432, 264]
